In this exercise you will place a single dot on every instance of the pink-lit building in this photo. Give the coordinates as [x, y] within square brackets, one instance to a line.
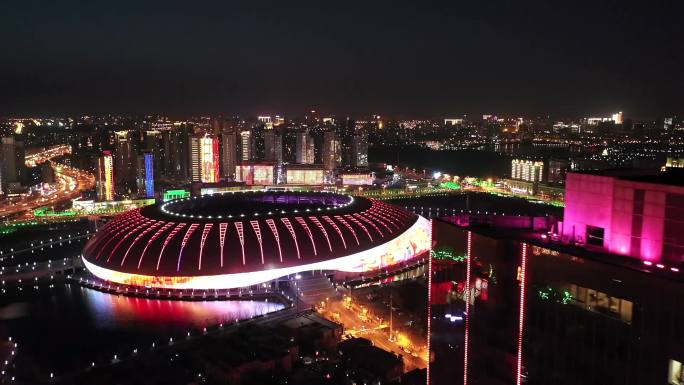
[636, 216]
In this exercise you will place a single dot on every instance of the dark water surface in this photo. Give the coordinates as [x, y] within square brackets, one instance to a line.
[66, 327]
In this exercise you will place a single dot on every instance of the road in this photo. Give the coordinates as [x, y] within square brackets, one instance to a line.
[360, 323]
[69, 183]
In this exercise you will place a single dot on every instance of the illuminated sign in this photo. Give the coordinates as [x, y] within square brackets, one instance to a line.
[308, 176]
[261, 174]
[175, 194]
[358, 179]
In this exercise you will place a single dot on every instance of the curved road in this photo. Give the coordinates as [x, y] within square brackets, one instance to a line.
[69, 183]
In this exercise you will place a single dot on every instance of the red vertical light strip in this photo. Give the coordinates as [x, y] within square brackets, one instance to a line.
[274, 230]
[379, 220]
[109, 229]
[348, 226]
[154, 237]
[187, 236]
[215, 159]
[306, 228]
[320, 227]
[128, 234]
[168, 239]
[137, 238]
[241, 235]
[429, 308]
[466, 343]
[205, 232]
[337, 229]
[368, 221]
[521, 319]
[257, 231]
[127, 227]
[287, 224]
[222, 232]
[356, 221]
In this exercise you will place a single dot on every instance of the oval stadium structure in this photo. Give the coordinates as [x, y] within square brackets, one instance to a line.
[240, 239]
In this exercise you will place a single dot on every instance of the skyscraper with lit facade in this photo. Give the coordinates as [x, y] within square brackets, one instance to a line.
[305, 148]
[209, 159]
[527, 170]
[229, 154]
[145, 178]
[105, 177]
[125, 152]
[332, 156]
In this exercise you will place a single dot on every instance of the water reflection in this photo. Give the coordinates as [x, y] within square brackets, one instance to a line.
[115, 311]
[65, 328]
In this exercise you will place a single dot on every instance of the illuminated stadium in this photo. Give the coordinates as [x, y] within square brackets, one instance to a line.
[235, 240]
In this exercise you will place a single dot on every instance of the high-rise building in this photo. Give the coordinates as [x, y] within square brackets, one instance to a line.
[177, 152]
[154, 142]
[125, 152]
[12, 157]
[105, 177]
[618, 117]
[195, 169]
[229, 154]
[305, 148]
[332, 151]
[527, 170]
[557, 170]
[360, 150]
[273, 146]
[204, 159]
[145, 178]
[209, 159]
[247, 145]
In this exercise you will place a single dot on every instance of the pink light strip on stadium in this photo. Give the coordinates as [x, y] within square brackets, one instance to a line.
[223, 227]
[368, 221]
[379, 220]
[137, 238]
[306, 228]
[274, 230]
[356, 221]
[320, 227]
[348, 226]
[128, 234]
[241, 235]
[257, 231]
[129, 226]
[111, 228]
[187, 235]
[288, 224]
[205, 232]
[417, 234]
[152, 239]
[337, 229]
[168, 239]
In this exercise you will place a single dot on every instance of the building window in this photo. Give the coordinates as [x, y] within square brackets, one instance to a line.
[595, 235]
[599, 302]
[676, 373]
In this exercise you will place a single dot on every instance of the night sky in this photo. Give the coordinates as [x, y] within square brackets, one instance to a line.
[399, 58]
